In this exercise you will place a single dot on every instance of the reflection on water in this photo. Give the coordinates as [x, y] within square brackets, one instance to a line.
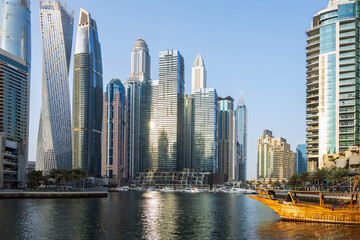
[156, 215]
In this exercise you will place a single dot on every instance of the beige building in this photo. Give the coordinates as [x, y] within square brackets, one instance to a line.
[275, 158]
[348, 159]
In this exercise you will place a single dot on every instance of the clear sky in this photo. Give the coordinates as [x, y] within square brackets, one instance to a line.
[257, 46]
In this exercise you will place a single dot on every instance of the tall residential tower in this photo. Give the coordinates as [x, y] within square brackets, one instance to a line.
[198, 74]
[87, 97]
[241, 137]
[332, 99]
[54, 148]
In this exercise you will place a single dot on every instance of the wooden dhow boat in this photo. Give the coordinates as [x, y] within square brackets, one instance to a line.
[291, 209]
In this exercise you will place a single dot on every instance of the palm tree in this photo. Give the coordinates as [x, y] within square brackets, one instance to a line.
[305, 177]
[320, 175]
[57, 175]
[338, 175]
[294, 181]
[78, 175]
[67, 176]
[35, 178]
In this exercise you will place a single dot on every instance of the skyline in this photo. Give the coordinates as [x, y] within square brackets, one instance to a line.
[222, 75]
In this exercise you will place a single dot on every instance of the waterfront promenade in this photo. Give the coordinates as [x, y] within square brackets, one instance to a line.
[17, 195]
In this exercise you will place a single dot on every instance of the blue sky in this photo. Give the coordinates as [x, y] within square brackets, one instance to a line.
[257, 46]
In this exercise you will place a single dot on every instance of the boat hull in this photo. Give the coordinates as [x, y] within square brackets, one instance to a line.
[311, 213]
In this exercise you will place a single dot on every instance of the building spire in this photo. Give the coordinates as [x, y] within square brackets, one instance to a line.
[241, 100]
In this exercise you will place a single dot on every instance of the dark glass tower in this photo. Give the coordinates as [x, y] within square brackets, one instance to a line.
[87, 97]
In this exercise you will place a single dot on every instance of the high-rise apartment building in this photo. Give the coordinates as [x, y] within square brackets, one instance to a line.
[54, 148]
[114, 145]
[227, 144]
[15, 29]
[198, 74]
[332, 99]
[241, 137]
[87, 97]
[14, 119]
[189, 130]
[206, 130]
[275, 158]
[139, 75]
[170, 115]
[301, 159]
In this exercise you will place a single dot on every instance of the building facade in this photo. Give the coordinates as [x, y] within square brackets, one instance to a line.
[54, 147]
[227, 146]
[87, 98]
[15, 29]
[14, 119]
[198, 74]
[332, 99]
[114, 145]
[140, 61]
[206, 130]
[189, 130]
[275, 158]
[241, 137]
[301, 159]
[170, 115]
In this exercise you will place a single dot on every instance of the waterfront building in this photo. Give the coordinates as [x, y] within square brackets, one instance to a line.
[15, 61]
[198, 74]
[170, 115]
[206, 130]
[275, 158]
[189, 130]
[114, 145]
[87, 98]
[30, 166]
[241, 137]
[136, 107]
[14, 119]
[149, 125]
[140, 61]
[301, 159]
[176, 179]
[54, 148]
[332, 100]
[133, 98]
[227, 145]
[15, 29]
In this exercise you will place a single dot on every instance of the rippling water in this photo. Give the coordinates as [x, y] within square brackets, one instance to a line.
[155, 215]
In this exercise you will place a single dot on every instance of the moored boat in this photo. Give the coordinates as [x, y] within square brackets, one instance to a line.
[291, 208]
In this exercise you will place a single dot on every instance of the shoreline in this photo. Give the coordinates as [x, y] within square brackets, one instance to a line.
[35, 195]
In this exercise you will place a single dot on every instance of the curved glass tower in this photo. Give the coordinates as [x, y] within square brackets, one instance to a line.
[15, 29]
[333, 98]
[87, 97]
[54, 139]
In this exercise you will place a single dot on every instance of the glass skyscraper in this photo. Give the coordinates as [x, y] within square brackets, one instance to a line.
[170, 115]
[114, 144]
[301, 159]
[189, 130]
[332, 99]
[198, 74]
[15, 29]
[87, 97]
[241, 137]
[227, 144]
[54, 148]
[206, 130]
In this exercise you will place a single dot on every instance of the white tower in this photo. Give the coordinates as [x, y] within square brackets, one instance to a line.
[198, 75]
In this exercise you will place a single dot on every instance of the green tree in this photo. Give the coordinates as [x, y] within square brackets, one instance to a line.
[57, 175]
[78, 175]
[67, 175]
[304, 178]
[295, 181]
[320, 175]
[34, 178]
[277, 184]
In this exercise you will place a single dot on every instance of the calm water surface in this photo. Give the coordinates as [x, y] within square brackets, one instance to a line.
[155, 215]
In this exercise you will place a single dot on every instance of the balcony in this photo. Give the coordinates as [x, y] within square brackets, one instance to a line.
[312, 123]
[6, 171]
[9, 163]
[312, 83]
[312, 37]
[9, 155]
[312, 77]
[313, 102]
[312, 129]
[315, 95]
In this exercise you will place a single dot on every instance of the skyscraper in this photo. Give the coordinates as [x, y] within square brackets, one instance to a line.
[170, 116]
[114, 144]
[198, 74]
[15, 29]
[87, 97]
[241, 137]
[136, 107]
[227, 145]
[54, 148]
[301, 159]
[140, 61]
[189, 130]
[206, 130]
[14, 111]
[332, 99]
[275, 158]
